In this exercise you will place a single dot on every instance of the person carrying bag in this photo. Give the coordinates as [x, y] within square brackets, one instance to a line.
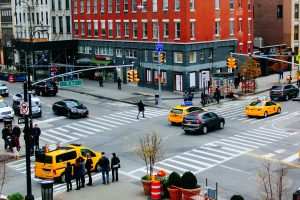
[115, 165]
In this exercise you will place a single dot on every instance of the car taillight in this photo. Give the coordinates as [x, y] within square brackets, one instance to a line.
[281, 92]
[54, 172]
[45, 87]
[198, 121]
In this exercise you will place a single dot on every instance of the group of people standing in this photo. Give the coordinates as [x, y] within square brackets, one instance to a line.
[81, 168]
[11, 139]
[119, 81]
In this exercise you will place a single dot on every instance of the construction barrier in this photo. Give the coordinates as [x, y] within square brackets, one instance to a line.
[155, 189]
[11, 78]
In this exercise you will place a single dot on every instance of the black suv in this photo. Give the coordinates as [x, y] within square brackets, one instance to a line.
[286, 92]
[45, 88]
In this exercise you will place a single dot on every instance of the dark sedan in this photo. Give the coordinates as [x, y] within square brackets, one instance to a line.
[70, 108]
[46, 88]
[286, 92]
[202, 122]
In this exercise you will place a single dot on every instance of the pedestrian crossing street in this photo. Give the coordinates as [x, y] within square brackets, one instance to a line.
[214, 153]
[94, 125]
[236, 111]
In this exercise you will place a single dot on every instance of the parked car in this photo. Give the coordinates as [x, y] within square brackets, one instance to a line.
[70, 108]
[34, 98]
[6, 111]
[3, 90]
[262, 108]
[50, 164]
[46, 88]
[200, 121]
[285, 92]
[36, 109]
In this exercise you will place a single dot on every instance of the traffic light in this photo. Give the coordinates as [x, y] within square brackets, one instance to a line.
[161, 57]
[231, 62]
[135, 76]
[234, 62]
[130, 76]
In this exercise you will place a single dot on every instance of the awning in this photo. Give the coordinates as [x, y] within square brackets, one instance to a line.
[100, 62]
[83, 61]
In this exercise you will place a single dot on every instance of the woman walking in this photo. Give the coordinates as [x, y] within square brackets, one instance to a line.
[14, 145]
[115, 165]
[77, 172]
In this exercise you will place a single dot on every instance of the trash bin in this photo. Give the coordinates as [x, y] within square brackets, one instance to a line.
[296, 195]
[8, 122]
[156, 99]
[47, 189]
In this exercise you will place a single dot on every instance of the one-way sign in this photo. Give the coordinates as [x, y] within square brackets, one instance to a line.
[21, 120]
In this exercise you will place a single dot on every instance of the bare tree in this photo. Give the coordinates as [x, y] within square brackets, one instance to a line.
[272, 181]
[150, 150]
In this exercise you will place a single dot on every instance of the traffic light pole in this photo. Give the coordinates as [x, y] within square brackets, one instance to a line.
[159, 85]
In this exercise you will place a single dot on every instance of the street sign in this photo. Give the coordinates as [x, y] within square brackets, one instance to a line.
[24, 109]
[70, 83]
[21, 120]
[159, 46]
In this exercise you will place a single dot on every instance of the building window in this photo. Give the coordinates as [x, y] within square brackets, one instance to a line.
[155, 56]
[68, 24]
[102, 9]
[249, 26]
[53, 5]
[145, 33]
[46, 18]
[177, 30]
[118, 26]
[96, 29]
[279, 11]
[193, 57]
[88, 6]
[240, 25]
[119, 53]
[178, 57]
[241, 47]
[133, 5]
[125, 5]
[249, 5]
[201, 54]
[177, 5]
[149, 75]
[210, 54]
[37, 18]
[81, 6]
[231, 4]
[296, 32]
[54, 25]
[117, 6]
[32, 18]
[192, 5]
[107, 51]
[110, 28]
[249, 46]
[130, 53]
[89, 29]
[80, 49]
[82, 28]
[144, 5]
[240, 3]
[217, 4]
[59, 4]
[166, 29]
[75, 7]
[88, 50]
[217, 28]
[67, 5]
[95, 6]
[126, 29]
[296, 11]
[154, 5]
[109, 6]
[192, 30]
[60, 23]
[165, 5]
[76, 28]
[155, 30]
[102, 27]
[134, 30]
[146, 56]
[231, 26]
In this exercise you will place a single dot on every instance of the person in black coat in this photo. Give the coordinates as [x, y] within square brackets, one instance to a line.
[82, 173]
[141, 107]
[68, 176]
[101, 80]
[119, 81]
[5, 136]
[115, 165]
[17, 133]
[89, 166]
[217, 94]
[105, 168]
[77, 172]
[36, 132]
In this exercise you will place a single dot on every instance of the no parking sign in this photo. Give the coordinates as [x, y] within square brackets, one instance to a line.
[24, 109]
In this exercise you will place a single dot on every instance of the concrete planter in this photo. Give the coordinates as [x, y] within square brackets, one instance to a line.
[175, 193]
[147, 186]
[190, 194]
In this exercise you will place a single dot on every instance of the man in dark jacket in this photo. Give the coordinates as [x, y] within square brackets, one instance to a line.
[5, 136]
[36, 132]
[101, 80]
[17, 133]
[115, 165]
[119, 83]
[89, 166]
[217, 94]
[141, 107]
[68, 176]
[105, 168]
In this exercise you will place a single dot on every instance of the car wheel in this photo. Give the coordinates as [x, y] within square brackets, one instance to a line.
[97, 168]
[287, 97]
[221, 125]
[62, 178]
[297, 94]
[186, 131]
[55, 111]
[69, 115]
[204, 130]
[265, 114]
[278, 110]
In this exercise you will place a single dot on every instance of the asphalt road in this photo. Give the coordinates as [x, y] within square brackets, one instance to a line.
[231, 157]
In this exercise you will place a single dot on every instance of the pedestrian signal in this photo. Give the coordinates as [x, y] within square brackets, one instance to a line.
[130, 76]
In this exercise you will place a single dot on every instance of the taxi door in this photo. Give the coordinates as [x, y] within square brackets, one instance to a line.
[94, 157]
[269, 108]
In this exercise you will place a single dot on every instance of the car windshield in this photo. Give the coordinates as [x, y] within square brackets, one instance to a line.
[276, 87]
[3, 104]
[72, 104]
[50, 84]
[256, 103]
[34, 103]
[176, 111]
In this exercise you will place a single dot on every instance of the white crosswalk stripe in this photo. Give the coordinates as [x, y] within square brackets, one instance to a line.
[214, 153]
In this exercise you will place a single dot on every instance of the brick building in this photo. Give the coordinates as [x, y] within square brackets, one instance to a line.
[196, 36]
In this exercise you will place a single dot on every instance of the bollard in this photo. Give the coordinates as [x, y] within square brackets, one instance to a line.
[47, 189]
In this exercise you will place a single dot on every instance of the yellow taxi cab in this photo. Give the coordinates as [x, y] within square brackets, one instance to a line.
[262, 108]
[51, 164]
[177, 113]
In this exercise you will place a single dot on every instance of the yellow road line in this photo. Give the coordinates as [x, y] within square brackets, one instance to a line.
[273, 160]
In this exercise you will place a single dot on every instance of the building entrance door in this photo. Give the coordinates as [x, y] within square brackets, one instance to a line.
[178, 82]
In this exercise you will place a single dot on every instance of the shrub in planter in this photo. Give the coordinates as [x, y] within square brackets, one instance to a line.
[15, 196]
[174, 186]
[189, 181]
[236, 197]
[174, 179]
